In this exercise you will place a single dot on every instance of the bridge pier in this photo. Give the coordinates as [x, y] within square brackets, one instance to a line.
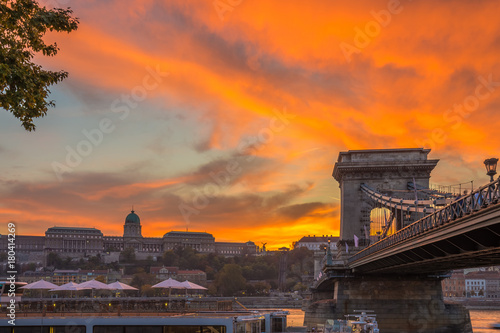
[402, 303]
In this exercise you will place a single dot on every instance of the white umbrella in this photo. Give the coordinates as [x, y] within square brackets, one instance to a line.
[70, 286]
[42, 284]
[191, 285]
[120, 286]
[94, 284]
[169, 284]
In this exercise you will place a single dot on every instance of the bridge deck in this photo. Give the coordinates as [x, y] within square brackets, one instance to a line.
[465, 233]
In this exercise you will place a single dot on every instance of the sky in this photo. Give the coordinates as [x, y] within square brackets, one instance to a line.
[227, 116]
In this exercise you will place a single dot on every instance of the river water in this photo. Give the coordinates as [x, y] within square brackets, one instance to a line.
[481, 319]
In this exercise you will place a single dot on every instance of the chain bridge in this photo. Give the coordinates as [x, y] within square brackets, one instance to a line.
[426, 233]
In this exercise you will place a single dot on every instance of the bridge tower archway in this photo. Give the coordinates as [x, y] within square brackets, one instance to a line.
[386, 170]
[379, 218]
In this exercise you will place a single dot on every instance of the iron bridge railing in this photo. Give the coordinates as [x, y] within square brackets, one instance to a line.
[473, 202]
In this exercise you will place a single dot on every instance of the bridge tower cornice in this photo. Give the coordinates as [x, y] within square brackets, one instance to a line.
[360, 170]
[381, 163]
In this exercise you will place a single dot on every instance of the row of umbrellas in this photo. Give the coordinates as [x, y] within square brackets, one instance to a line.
[94, 284]
[71, 286]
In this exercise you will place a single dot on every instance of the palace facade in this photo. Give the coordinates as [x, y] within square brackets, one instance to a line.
[83, 242]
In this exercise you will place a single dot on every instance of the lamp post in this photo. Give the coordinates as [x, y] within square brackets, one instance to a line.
[491, 167]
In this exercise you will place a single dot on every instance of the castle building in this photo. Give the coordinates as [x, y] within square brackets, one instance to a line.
[78, 242]
[200, 241]
[87, 241]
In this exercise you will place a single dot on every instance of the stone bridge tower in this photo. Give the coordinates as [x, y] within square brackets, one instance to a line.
[404, 302]
[385, 170]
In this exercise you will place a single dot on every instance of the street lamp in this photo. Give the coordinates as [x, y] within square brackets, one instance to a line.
[491, 167]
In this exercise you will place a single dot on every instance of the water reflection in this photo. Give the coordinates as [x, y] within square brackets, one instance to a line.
[481, 319]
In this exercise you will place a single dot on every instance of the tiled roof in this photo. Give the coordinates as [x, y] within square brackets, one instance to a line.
[194, 271]
[318, 239]
[483, 276]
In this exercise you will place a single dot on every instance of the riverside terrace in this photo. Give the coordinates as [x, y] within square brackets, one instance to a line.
[33, 307]
[127, 306]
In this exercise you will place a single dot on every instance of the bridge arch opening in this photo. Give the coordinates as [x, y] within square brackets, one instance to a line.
[380, 219]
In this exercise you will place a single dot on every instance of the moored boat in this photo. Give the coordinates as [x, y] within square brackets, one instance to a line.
[362, 323]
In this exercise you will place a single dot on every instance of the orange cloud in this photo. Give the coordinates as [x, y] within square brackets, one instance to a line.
[231, 76]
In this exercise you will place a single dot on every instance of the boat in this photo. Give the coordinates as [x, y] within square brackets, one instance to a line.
[10, 290]
[362, 323]
[214, 322]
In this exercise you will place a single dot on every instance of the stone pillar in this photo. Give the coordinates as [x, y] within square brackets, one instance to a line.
[403, 304]
[384, 170]
[318, 258]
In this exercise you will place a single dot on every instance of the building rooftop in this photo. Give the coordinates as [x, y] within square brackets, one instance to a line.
[62, 271]
[318, 239]
[249, 243]
[156, 269]
[188, 233]
[190, 271]
[73, 229]
[132, 218]
[483, 275]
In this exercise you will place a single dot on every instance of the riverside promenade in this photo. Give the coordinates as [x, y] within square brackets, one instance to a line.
[134, 305]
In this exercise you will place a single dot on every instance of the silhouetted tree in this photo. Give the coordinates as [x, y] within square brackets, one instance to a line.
[23, 84]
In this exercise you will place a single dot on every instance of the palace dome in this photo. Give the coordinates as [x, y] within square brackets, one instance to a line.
[132, 218]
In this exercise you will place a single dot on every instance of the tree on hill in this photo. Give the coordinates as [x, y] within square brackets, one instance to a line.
[170, 258]
[24, 84]
[128, 255]
[53, 259]
[230, 280]
[188, 259]
[146, 290]
[143, 278]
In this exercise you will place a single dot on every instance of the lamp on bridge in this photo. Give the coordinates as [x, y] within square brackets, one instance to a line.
[491, 167]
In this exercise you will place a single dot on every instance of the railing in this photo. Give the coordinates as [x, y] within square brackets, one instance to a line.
[435, 190]
[473, 202]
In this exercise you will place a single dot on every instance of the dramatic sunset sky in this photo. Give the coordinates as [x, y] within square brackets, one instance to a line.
[227, 116]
